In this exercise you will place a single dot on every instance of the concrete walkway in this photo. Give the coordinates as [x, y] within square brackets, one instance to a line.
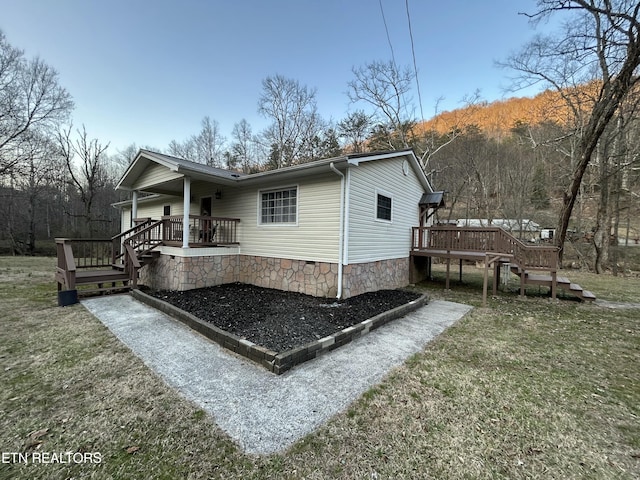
[265, 413]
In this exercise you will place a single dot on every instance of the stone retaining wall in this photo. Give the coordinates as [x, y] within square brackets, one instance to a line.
[275, 362]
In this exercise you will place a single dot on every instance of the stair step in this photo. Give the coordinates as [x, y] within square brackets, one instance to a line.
[121, 288]
[537, 278]
[574, 287]
[587, 295]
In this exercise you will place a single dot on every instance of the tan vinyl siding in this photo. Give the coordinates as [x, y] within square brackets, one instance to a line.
[371, 239]
[155, 174]
[155, 210]
[314, 238]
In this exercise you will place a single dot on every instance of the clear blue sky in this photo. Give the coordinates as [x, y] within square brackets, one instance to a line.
[148, 71]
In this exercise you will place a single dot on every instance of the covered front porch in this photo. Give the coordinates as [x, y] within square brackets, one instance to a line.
[189, 199]
[201, 231]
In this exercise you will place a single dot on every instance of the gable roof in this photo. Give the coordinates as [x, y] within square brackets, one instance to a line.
[199, 171]
[179, 165]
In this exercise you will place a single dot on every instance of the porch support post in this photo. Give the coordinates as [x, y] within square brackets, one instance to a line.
[186, 194]
[134, 206]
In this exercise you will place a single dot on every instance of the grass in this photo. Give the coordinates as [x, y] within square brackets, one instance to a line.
[525, 388]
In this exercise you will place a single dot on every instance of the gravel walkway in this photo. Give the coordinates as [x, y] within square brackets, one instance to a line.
[262, 412]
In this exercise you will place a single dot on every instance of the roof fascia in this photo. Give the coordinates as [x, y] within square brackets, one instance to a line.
[144, 154]
[413, 160]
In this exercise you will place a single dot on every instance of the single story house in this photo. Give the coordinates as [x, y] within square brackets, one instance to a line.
[336, 227]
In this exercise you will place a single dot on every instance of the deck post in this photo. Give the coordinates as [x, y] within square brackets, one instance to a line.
[185, 217]
[448, 273]
[485, 280]
[496, 277]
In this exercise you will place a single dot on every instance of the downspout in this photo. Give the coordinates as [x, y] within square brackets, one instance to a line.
[342, 222]
[134, 208]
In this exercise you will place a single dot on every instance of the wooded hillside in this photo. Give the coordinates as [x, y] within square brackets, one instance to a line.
[499, 118]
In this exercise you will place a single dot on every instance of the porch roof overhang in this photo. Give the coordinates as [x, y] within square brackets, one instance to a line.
[175, 169]
[432, 200]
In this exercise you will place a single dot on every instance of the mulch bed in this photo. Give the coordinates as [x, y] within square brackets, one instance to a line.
[280, 320]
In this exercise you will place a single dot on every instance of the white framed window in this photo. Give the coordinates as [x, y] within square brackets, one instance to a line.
[384, 206]
[279, 206]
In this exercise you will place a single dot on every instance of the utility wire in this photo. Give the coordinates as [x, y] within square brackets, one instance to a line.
[413, 52]
[384, 20]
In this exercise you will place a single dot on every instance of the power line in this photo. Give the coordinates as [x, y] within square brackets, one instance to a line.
[384, 20]
[413, 53]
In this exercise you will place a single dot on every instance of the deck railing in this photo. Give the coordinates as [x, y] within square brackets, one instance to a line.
[125, 250]
[203, 230]
[80, 253]
[486, 240]
[93, 253]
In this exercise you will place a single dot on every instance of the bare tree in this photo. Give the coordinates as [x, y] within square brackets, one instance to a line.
[599, 43]
[210, 143]
[187, 150]
[41, 163]
[385, 87]
[90, 176]
[244, 145]
[295, 122]
[30, 99]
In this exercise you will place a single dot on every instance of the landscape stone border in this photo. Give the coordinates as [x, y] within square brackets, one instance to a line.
[275, 362]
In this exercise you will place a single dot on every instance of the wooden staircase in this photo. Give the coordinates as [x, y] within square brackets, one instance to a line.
[107, 265]
[534, 264]
[562, 283]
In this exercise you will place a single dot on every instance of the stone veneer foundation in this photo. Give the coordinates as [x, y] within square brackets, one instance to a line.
[320, 279]
[359, 278]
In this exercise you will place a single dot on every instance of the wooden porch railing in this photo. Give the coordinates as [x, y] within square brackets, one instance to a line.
[486, 240]
[118, 240]
[119, 258]
[203, 230]
[85, 261]
[90, 253]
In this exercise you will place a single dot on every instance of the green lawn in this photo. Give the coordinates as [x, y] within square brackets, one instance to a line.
[524, 388]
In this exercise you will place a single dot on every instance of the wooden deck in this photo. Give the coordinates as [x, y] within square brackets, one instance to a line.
[495, 247]
[112, 264]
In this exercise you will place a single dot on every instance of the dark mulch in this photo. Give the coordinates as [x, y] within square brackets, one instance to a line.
[280, 320]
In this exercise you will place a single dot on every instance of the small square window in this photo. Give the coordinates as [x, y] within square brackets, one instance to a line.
[166, 211]
[383, 208]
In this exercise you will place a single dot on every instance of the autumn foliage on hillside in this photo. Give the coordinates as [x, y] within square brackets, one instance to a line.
[501, 116]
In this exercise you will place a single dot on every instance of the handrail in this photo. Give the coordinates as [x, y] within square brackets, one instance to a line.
[132, 264]
[117, 240]
[203, 229]
[483, 239]
[146, 237]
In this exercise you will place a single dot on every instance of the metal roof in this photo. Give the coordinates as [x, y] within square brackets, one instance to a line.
[432, 200]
